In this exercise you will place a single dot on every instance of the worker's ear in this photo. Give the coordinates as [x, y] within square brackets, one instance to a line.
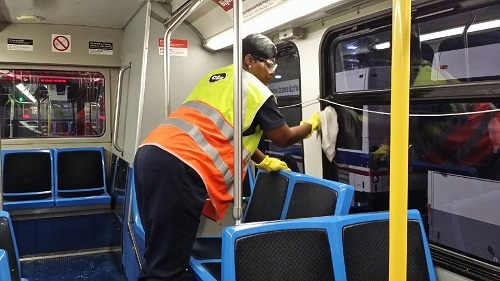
[248, 60]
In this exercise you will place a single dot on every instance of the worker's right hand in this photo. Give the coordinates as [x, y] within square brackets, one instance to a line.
[381, 154]
[314, 121]
[271, 164]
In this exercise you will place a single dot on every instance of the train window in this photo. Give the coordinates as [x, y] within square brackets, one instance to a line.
[441, 53]
[454, 149]
[47, 104]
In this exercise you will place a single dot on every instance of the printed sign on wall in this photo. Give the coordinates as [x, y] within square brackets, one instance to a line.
[178, 47]
[14, 44]
[61, 43]
[100, 48]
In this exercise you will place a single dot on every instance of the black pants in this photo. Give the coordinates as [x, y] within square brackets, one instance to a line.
[170, 197]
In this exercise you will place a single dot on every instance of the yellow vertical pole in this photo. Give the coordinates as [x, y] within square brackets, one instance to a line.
[400, 102]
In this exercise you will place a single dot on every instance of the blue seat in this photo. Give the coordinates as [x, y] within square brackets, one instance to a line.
[280, 250]
[138, 228]
[350, 247]
[277, 196]
[118, 186]
[132, 259]
[362, 247]
[315, 197]
[80, 177]
[4, 265]
[27, 177]
[9, 246]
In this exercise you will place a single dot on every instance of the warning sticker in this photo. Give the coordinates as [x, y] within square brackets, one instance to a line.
[100, 48]
[19, 44]
[61, 43]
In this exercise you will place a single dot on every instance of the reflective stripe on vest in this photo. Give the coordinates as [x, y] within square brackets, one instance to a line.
[224, 128]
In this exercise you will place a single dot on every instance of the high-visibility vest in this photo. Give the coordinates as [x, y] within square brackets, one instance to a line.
[200, 133]
[428, 75]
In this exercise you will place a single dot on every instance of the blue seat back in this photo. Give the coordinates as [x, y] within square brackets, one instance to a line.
[282, 250]
[314, 197]
[27, 177]
[350, 247]
[80, 176]
[268, 197]
[289, 195]
[362, 243]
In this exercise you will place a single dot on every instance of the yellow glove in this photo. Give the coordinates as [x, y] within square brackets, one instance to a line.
[382, 152]
[314, 121]
[271, 164]
[378, 155]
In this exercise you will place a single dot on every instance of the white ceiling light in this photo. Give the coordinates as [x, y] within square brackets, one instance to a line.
[30, 19]
[459, 30]
[382, 46]
[278, 15]
[448, 32]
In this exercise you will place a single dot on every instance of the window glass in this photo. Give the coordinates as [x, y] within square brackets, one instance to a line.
[286, 80]
[441, 53]
[46, 103]
[455, 161]
[454, 145]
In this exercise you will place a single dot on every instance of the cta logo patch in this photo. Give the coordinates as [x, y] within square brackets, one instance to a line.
[217, 77]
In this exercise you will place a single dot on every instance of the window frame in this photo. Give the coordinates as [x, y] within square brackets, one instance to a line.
[108, 96]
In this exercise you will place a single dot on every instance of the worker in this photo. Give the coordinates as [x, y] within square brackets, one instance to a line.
[188, 158]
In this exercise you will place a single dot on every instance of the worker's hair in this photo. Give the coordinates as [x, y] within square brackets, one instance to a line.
[259, 45]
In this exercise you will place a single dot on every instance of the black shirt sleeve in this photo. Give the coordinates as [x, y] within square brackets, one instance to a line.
[268, 117]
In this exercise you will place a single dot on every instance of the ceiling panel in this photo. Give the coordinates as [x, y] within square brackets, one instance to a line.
[99, 13]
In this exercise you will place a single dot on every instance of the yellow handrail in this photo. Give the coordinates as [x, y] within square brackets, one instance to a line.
[400, 101]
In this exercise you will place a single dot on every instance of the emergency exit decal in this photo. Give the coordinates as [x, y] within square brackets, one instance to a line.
[178, 47]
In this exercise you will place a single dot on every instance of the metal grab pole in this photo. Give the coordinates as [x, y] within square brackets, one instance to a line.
[400, 102]
[117, 108]
[237, 57]
[171, 25]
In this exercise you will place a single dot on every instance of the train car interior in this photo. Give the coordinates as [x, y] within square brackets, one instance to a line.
[82, 83]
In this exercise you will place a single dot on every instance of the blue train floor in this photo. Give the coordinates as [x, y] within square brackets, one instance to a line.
[91, 267]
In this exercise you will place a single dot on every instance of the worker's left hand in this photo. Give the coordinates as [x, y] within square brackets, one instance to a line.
[314, 121]
[271, 164]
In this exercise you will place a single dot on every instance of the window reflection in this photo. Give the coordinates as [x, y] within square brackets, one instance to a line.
[39, 103]
[453, 49]
[454, 156]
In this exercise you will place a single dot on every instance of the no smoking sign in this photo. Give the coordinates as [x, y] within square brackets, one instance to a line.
[61, 43]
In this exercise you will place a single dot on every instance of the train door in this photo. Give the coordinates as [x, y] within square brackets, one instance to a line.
[286, 88]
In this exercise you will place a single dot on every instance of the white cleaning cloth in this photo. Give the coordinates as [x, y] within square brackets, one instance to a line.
[329, 131]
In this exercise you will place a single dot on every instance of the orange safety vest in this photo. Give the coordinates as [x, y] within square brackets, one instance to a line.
[200, 133]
